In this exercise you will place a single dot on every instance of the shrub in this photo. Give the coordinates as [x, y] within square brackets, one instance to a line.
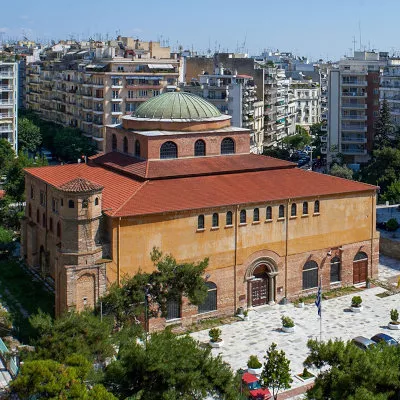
[394, 315]
[245, 313]
[392, 225]
[254, 362]
[215, 334]
[287, 322]
[356, 301]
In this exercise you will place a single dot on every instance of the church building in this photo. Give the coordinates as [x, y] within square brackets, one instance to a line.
[177, 175]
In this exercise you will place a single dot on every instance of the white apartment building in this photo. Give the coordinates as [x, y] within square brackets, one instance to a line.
[353, 102]
[390, 88]
[9, 102]
[233, 94]
[307, 95]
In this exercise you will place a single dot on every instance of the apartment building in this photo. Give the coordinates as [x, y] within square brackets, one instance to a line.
[353, 102]
[307, 95]
[390, 88]
[233, 94]
[9, 102]
[91, 88]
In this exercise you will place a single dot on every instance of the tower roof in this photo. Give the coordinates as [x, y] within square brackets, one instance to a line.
[80, 185]
[177, 106]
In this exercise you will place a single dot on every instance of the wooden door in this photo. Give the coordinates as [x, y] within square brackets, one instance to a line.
[360, 271]
[259, 292]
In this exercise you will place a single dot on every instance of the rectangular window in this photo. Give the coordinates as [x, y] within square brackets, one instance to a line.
[114, 120]
[131, 94]
[54, 205]
[115, 94]
[142, 93]
[42, 199]
[120, 68]
[116, 107]
[129, 82]
[99, 94]
[156, 92]
[130, 107]
[173, 309]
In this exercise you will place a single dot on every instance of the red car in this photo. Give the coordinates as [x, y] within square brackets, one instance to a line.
[256, 391]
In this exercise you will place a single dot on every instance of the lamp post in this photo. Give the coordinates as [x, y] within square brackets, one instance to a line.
[309, 150]
[146, 305]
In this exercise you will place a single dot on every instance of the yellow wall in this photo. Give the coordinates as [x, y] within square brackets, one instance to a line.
[342, 220]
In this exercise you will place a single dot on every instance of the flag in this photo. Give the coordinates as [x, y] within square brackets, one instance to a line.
[319, 299]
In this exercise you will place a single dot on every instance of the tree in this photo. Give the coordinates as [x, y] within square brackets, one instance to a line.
[73, 333]
[169, 367]
[350, 373]
[29, 137]
[277, 152]
[298, 141]
[384, 169]
[383, 128]
[392, 193]
[276, 372]
[169, 281]
[52, 380]
[15, 178]
[7, 155]
[341, 171]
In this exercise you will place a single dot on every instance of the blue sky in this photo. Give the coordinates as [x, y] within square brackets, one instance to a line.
[314, 28]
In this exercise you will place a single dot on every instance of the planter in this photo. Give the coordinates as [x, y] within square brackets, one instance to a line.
[300, 305]
[246, 318]
[393, 326]
[309, 379]
[288, 329]
[356, 309]
[216, 345]
[254, 371]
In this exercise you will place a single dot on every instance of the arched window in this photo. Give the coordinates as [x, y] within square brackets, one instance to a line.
[210, 303]
[125, 144]
[173, 309]
[268, 213]
[71, 204]
[114, 142]
[200, 148]
[200, 222]
[310, 275]
[281, 211]
[51, 224]
[32, 193]
[229, 218]
[137, 148]
[37, 216]
[168, 150]
[30, 211]
[243, 216]
[335, 269]
[256, 215]
[44, 220]
[58, 229]
[293, 211]
[96, 201]
[305, 208]
[85, 203]
[316, 207]
[215, 221]
[227, 146]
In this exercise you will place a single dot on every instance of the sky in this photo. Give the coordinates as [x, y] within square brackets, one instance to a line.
[313, 28]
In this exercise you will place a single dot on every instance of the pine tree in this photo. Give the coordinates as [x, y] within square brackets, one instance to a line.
[383, 128]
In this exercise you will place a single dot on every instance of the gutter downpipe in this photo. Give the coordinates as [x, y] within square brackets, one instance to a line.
[286, 248]
[118, 250]
[235, 261]
[373, 217]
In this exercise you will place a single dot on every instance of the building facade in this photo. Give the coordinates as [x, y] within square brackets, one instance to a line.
[9, 103]
[390, 88]
[91, 88]
[182, 179]
[307, 96]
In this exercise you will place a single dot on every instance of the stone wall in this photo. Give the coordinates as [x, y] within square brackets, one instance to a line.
[389, 247]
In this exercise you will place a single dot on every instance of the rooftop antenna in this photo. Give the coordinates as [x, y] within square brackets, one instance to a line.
[359, 29]
[354, 44]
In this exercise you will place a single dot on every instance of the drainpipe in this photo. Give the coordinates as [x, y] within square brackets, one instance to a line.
[373, 200]
[286, 247]
[235, 261]
[118, 250]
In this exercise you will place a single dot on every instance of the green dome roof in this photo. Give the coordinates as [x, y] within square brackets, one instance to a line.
[176, 105]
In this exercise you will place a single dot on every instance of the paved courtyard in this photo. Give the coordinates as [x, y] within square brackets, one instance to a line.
[241, 339]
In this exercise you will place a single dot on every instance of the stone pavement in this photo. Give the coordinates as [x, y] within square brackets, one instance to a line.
[241, 339]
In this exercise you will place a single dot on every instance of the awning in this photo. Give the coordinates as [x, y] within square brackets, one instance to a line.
[160, 66]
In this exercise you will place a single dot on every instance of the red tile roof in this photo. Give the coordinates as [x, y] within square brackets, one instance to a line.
[80, 185]
[242, 188]
[183, 167]
[117, 188]
[127, 196]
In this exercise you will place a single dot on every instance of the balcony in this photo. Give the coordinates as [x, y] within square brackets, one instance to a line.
[353, 151]
[354, 83]
[6, 128]
[116, 99]
[6, 74]
[354, 117]
[354, 94]
[324, 149]
[98, 111]
[354, 139]
[6, 103]
[324, 139]
[97, 85]
[354, 128]
[355, 106]
[6, 88]
[5, 115]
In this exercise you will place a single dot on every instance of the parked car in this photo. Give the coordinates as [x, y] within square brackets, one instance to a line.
[382, 337]
[302, 161]
[255, 390]
[363, 343]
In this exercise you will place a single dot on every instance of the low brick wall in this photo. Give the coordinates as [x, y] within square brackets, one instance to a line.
[389, 247]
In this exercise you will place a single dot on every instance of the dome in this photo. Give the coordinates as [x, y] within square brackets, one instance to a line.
[177, 106]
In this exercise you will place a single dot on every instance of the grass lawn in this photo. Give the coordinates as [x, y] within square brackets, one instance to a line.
[22, 296]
